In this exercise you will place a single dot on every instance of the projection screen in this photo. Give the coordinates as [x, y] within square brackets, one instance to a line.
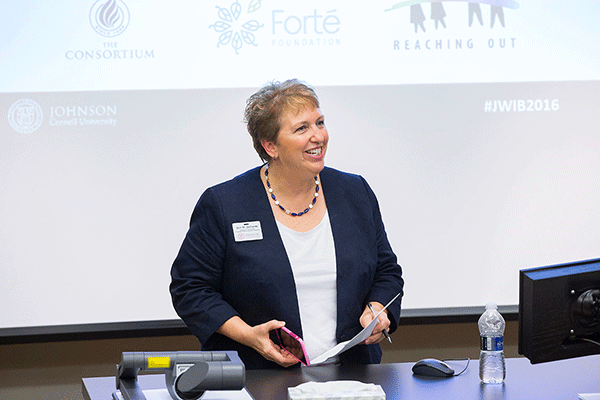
[476, 124]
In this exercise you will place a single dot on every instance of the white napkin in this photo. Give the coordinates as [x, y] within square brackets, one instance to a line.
[336, 390]
[589, 396]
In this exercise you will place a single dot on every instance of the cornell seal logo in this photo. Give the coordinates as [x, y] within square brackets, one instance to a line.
[25, 116]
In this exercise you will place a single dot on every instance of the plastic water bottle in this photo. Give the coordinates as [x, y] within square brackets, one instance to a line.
[492, 368]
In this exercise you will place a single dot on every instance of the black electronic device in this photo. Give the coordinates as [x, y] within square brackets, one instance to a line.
[559, 311]
[432, 367]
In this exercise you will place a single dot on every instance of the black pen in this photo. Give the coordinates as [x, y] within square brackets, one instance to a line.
[387, 335]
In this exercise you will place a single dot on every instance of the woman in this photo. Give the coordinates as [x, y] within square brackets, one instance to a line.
[288, 243]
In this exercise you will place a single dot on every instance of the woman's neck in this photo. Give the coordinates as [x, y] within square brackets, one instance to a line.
[290, 183]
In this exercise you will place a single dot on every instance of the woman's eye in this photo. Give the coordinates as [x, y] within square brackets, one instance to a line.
[301, 128]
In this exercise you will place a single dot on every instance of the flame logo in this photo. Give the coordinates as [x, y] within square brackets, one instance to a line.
[109, 17]
[109, 14]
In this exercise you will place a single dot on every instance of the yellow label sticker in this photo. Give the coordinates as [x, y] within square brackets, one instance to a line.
[159, 362]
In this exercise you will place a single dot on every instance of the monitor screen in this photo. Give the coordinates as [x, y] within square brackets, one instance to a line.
[559, 311]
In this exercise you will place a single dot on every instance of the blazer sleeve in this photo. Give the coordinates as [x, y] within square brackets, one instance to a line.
[388, 276]
[196, 274]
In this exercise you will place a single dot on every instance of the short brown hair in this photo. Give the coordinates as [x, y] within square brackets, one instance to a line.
[265, 108]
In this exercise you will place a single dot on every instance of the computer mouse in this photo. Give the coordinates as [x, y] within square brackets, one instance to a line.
[432, 367]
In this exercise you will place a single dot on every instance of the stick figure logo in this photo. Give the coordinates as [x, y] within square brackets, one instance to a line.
[438, 14]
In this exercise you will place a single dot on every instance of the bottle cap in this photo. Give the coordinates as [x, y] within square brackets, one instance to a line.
[491, 306]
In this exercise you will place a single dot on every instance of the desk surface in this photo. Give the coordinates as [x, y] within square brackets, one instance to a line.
[554, 380]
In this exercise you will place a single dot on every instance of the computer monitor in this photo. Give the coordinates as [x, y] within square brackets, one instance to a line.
[559, 311]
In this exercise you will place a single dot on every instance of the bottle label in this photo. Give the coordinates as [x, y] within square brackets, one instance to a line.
[495, 343]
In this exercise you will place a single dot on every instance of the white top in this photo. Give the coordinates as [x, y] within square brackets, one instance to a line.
[312, 256]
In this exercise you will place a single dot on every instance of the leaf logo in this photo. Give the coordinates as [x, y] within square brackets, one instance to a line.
[234, 31]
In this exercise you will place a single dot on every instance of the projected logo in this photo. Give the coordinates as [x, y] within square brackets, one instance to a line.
[83, 115]
[109, 18]
[438, 13]
[235, 30]
[315, 28]
[25, 116]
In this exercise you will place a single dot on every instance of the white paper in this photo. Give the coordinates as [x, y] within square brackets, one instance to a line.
[343, 346]
[163, 394]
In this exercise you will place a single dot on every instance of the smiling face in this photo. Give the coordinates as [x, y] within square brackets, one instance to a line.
[301, 143]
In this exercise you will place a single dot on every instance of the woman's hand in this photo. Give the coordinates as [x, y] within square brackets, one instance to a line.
[265, 346]
[382, 322]
[257, 337]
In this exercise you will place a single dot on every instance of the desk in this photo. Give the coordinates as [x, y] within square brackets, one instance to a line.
[554, 380]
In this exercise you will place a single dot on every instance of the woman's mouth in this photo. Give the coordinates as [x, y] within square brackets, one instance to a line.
[315, 152]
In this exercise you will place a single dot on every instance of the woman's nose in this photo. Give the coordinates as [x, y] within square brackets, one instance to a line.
[318, 134]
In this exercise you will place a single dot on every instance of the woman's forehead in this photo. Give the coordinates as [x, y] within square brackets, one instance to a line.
[298, 114]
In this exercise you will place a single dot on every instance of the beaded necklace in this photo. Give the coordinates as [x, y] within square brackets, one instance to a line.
[288, 212]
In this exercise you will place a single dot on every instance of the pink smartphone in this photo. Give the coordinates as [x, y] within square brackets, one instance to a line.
[293, 344]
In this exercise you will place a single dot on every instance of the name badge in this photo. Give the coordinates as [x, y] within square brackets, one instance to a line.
[247, 231]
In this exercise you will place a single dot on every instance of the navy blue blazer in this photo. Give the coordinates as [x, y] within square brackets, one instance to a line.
[215, 278]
